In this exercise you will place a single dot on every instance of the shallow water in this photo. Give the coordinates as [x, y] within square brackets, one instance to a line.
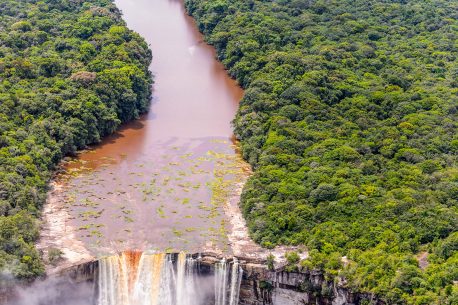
[160, 182]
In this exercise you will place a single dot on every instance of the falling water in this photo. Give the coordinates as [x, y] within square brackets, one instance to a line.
[221, 282]
[236, 279]
[186, 281]
[134, 278]
[221, 277]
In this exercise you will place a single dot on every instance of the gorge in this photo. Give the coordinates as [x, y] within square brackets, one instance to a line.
[330, 178]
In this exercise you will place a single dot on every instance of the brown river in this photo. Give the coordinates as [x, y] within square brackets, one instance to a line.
[161, 182]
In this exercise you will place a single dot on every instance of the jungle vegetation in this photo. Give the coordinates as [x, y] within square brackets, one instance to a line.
[70, 73]
[350, 121]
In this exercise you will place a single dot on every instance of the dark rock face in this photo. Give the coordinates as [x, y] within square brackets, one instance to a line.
[263, 287]
[87, 272]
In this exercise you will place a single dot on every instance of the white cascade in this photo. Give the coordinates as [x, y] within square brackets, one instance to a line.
[236, 279]
[224, 294]
[186, 281]
[113, 283]
[221, 282]
[135, 278]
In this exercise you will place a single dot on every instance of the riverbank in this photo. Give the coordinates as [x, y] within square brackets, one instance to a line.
[56, 233]
[71, 73]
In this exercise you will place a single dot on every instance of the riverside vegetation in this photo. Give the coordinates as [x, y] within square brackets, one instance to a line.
[70, 73]
[350, 122]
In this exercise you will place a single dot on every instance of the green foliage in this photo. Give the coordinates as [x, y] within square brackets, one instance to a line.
[350, 121]
[70, 73]
[271, 262]
[54, 255]
[447, 247]
[292, 259]
[329, 261]
[266, 285]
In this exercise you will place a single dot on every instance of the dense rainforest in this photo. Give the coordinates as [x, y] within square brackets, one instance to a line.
[70, 73]
[350, 121]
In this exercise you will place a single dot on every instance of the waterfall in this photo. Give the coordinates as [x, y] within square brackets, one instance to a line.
[221, 282]
[113, 283]
[222, 291]
[135, 278]
[186, 280]
[236, 279]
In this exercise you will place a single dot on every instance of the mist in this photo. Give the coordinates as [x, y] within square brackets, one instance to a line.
[53, 291]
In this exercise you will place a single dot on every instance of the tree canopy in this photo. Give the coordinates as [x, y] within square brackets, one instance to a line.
[350, 122]
[70, 73]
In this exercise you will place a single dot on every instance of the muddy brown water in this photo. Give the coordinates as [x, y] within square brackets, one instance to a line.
[160, 182]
